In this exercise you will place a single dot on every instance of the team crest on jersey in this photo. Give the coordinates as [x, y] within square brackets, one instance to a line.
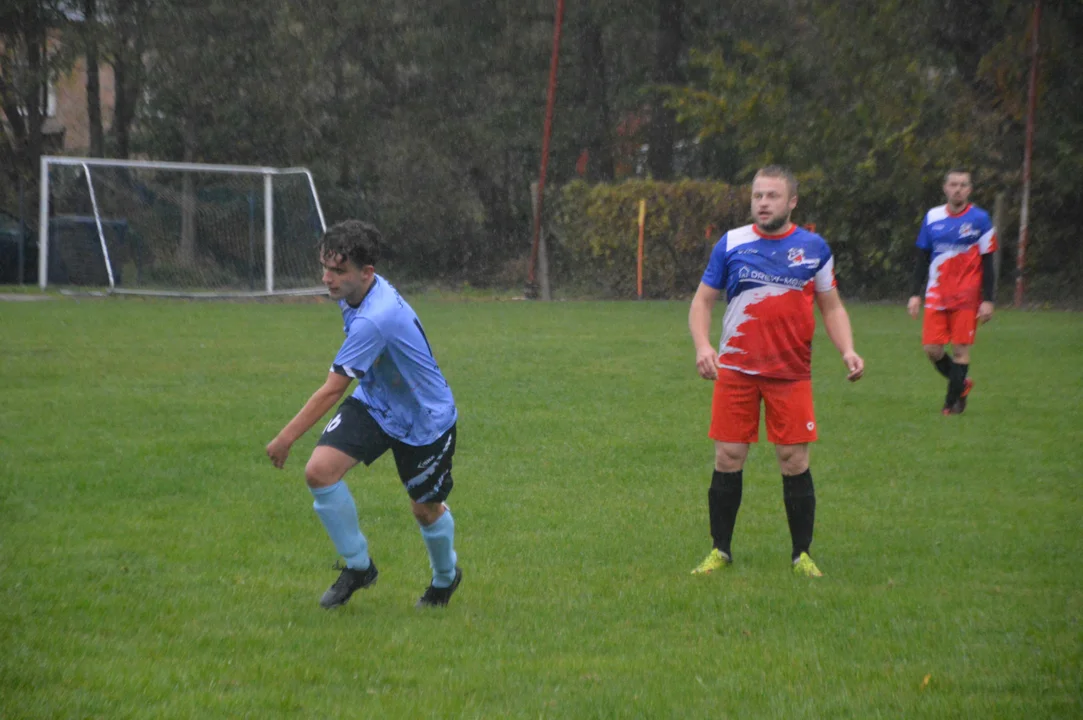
[797, 258]
[967, 230]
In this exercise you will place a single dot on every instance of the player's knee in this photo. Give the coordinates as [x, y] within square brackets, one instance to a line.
[793, 466]
[426, 513]
[792, 459]
[319, 474]
[934, 352]
[729, 457]
[961, 354]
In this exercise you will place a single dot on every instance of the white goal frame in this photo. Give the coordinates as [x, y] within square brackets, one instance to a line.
[268, 173]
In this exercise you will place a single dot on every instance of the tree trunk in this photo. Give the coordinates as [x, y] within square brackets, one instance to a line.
[663, 120]
[127, 71]
[14, 134]
[186, 254]
[122, 112]
[599, 142]
[543, 254]
[37, 92]
[93, 81]
[344, 165]
[499, 224]
[24, 94]
[998, 225]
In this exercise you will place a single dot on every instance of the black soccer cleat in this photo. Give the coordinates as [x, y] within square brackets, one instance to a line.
[349, 582]
[438, 597]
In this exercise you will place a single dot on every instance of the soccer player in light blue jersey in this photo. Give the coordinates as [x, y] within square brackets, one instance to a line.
[401, 403]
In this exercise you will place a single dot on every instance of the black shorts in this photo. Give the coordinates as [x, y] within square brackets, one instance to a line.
[425, 470]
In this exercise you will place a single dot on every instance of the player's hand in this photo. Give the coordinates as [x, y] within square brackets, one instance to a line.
[855, 365]
[985, 312]
[707, 364]
[913, 306]
[278, 450]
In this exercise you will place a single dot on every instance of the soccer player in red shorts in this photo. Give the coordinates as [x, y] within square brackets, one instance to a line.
[772, 272]
[954, 272]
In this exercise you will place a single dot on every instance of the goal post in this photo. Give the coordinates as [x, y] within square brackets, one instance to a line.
[184, 229]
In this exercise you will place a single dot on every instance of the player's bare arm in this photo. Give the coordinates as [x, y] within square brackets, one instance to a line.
[837, 325]
[699, 323]
[913, 306]
[317, 406]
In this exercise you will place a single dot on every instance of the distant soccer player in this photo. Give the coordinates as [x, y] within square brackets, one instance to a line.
[771, 271]
[954, 272]
[402, 403]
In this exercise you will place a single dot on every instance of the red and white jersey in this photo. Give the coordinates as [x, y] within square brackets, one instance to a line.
[955, 244]
[770, 283]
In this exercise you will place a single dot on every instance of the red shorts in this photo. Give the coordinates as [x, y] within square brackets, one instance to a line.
[735, 410]
[956, 327]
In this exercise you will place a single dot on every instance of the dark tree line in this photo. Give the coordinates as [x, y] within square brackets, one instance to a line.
[427, 116]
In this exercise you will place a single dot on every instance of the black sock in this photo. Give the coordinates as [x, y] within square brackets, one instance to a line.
[956, 383]
[944, 365]
[723, 502]
[800, 498]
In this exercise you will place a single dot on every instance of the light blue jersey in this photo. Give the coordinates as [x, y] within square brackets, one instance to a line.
[398, 380]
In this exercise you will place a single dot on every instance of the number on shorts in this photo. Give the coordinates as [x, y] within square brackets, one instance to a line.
[335, 422]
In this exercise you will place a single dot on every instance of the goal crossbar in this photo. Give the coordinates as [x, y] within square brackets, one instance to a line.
[268, 173]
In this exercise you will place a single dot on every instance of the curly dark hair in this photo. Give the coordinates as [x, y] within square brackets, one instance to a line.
[353, 240]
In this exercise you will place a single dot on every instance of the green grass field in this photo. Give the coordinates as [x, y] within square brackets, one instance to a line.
[154, 564]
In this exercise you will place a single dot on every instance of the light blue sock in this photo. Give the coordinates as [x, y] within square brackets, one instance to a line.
[335, 506]
[440, 541]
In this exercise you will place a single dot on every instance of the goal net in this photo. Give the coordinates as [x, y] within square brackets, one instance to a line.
[185, 229]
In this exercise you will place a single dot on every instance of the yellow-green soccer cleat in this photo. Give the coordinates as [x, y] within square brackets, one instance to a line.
[715, 560]
[804, 567]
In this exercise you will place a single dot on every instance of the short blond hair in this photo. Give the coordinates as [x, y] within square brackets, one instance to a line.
[778, 171]
[958, 171]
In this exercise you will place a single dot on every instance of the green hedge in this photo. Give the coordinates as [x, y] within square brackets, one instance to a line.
[595, 234]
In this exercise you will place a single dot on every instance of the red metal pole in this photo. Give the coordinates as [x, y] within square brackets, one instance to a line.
[1024, 213]
[546, 134]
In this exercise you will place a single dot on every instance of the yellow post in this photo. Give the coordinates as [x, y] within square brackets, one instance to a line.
[639, 255]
